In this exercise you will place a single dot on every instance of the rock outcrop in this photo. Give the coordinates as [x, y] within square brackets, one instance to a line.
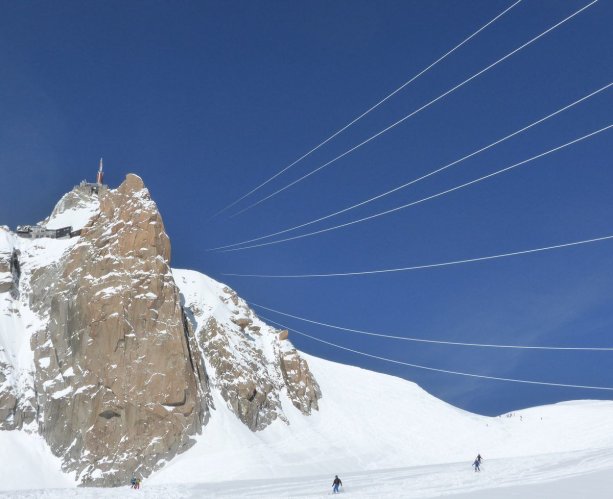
[251, 364]
[302, 389]
[242, 375]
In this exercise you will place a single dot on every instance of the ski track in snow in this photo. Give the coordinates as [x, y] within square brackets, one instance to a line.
[567, 475]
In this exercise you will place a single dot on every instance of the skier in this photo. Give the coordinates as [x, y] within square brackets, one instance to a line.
[477, 465]
[335, 484]
[133, 482]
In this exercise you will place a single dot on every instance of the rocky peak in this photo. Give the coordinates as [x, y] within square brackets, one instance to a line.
[116, 359]
[119, 383]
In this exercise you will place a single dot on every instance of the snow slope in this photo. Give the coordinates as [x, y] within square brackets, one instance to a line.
[299, 461]
[552, 476]
[75, 209]
[370, 421]
[26, 462]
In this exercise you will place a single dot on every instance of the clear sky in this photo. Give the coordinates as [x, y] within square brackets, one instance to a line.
[206, 100]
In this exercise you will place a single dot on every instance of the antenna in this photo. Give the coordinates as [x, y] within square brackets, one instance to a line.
[100, 175]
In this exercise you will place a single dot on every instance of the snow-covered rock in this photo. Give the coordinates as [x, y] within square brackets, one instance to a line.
[247, 361]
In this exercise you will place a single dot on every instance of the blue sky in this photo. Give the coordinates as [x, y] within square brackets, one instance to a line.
[206, 100]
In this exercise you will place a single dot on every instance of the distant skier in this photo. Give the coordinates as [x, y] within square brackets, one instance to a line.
[477, 465]
[135, 483]
[335, 484]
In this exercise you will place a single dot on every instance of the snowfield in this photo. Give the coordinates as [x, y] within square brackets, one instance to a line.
[384, 436]
[543, 477]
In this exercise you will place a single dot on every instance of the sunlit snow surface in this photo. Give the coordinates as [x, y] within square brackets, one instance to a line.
[585, 474]
[76, 216]
[384, 436]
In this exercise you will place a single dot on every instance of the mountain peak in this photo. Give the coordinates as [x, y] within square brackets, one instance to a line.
[122, 369]
[132, 183]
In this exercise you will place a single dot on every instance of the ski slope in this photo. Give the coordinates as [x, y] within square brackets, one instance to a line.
[563, 475]
[384, 436]
[371, 421]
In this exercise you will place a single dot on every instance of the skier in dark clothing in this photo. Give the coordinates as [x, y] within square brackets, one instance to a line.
[335, 484]
[477, 465]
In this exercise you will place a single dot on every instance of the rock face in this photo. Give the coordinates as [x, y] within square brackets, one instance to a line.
[250, 363]
[116, 359]
[302, 389]
[242, 375]
[119, 383]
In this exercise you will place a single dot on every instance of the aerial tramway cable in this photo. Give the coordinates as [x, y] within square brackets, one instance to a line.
[434, 369]
[414, 181]
[427, 266]
[438, 342]
[413, 113]
[372, 108]
[427, 198]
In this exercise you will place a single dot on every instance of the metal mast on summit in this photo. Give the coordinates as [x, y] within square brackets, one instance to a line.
[100, 175]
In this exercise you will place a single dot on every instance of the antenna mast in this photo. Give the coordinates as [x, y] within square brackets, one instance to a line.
[100, 176]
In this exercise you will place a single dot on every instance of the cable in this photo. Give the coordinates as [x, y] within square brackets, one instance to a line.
[438, 342]
[413, 113]
[422, 200]
[434, 369]
[429, 266]
[355, 120]
[414, 181]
